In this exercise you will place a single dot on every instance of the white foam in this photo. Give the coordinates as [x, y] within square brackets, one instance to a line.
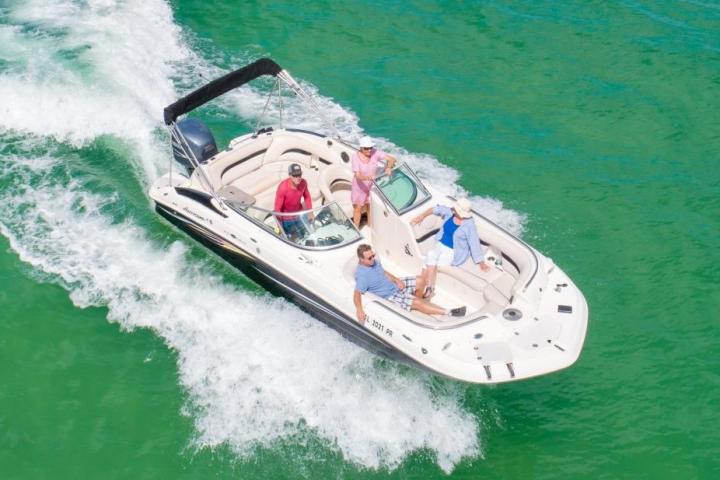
[132, 51]
[257, 369]
[90, 69]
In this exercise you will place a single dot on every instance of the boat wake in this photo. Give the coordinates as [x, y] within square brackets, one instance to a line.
[257, 370]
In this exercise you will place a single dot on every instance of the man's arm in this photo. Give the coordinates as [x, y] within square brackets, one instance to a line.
[360, 313]
[395, 279]
[476, 250]
[421, 217]
[306, 197]
[279, 196]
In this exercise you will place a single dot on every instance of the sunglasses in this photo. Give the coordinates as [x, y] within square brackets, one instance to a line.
[371, 257]
[299, 175]
[366, 148]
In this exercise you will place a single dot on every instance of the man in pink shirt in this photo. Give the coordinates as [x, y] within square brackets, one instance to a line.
[287, 199]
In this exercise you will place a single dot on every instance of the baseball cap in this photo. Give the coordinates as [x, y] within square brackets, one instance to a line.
[294, 170]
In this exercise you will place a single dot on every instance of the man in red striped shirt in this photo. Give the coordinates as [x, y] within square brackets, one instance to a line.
[287, 199]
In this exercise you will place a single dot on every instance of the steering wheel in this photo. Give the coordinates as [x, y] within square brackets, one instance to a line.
[322, 219]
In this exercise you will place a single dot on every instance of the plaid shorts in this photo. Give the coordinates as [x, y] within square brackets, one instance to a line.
[405, 296]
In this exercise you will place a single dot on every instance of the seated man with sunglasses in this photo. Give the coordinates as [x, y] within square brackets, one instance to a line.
[406, 292]
[287, 199]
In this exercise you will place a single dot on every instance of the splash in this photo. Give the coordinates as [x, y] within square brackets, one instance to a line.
[257, 369]
[78, 70]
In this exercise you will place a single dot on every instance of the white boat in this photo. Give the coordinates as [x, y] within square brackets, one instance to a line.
[524, 318]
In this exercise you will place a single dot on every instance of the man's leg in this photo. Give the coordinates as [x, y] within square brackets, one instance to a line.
[290, 228]
[430, 275]
[357, 211]
[439, 255]
[426, 307]
[420, 286]
[415, 286]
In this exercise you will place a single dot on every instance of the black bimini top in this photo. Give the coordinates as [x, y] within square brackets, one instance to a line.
[217, 87]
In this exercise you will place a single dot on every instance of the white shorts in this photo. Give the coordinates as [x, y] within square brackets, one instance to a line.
[440, 256]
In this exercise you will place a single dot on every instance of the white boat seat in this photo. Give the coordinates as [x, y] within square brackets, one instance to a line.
[471, 274]
[236, 195]
[431, 321]
[258, 181]
[263, 183]
[330, 174]
[419, 318]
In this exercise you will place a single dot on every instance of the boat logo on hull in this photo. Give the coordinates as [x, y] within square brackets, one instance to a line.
[197, 215]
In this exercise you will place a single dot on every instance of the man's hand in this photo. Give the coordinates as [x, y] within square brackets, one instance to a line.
[484, 266]
[400, 284]
[359, 312]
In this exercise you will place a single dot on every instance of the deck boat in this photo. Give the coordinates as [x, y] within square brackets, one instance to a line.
[525, 317]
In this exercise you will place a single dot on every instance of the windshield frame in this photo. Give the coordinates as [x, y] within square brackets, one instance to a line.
[235, 207]
[413, 177]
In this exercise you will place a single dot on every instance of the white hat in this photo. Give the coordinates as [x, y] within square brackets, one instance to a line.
[366, 142]
[462, 207]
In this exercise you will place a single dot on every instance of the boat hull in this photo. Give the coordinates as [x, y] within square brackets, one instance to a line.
[279, 284]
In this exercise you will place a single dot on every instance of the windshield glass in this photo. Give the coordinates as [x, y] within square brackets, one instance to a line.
[321, 227]
[402, 188]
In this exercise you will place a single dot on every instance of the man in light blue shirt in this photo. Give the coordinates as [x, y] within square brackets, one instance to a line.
[371, 277]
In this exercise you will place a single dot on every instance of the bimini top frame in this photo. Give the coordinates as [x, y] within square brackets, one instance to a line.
[222, 85]
[219, 86]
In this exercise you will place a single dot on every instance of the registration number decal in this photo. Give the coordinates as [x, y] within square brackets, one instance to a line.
[379, 326]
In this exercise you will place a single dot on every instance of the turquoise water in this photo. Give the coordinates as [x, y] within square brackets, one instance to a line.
[589, 129]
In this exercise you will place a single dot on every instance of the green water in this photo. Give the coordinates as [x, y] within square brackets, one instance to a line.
[590, 128]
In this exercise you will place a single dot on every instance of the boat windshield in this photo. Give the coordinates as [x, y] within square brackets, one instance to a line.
[402, 189]
[318, 228]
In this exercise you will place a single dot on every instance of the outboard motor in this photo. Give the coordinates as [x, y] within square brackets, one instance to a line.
[198, 137]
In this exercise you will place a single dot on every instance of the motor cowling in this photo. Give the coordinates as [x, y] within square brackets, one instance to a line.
[197, 138]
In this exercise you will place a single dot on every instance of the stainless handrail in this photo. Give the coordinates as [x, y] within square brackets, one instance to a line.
[300, 92]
